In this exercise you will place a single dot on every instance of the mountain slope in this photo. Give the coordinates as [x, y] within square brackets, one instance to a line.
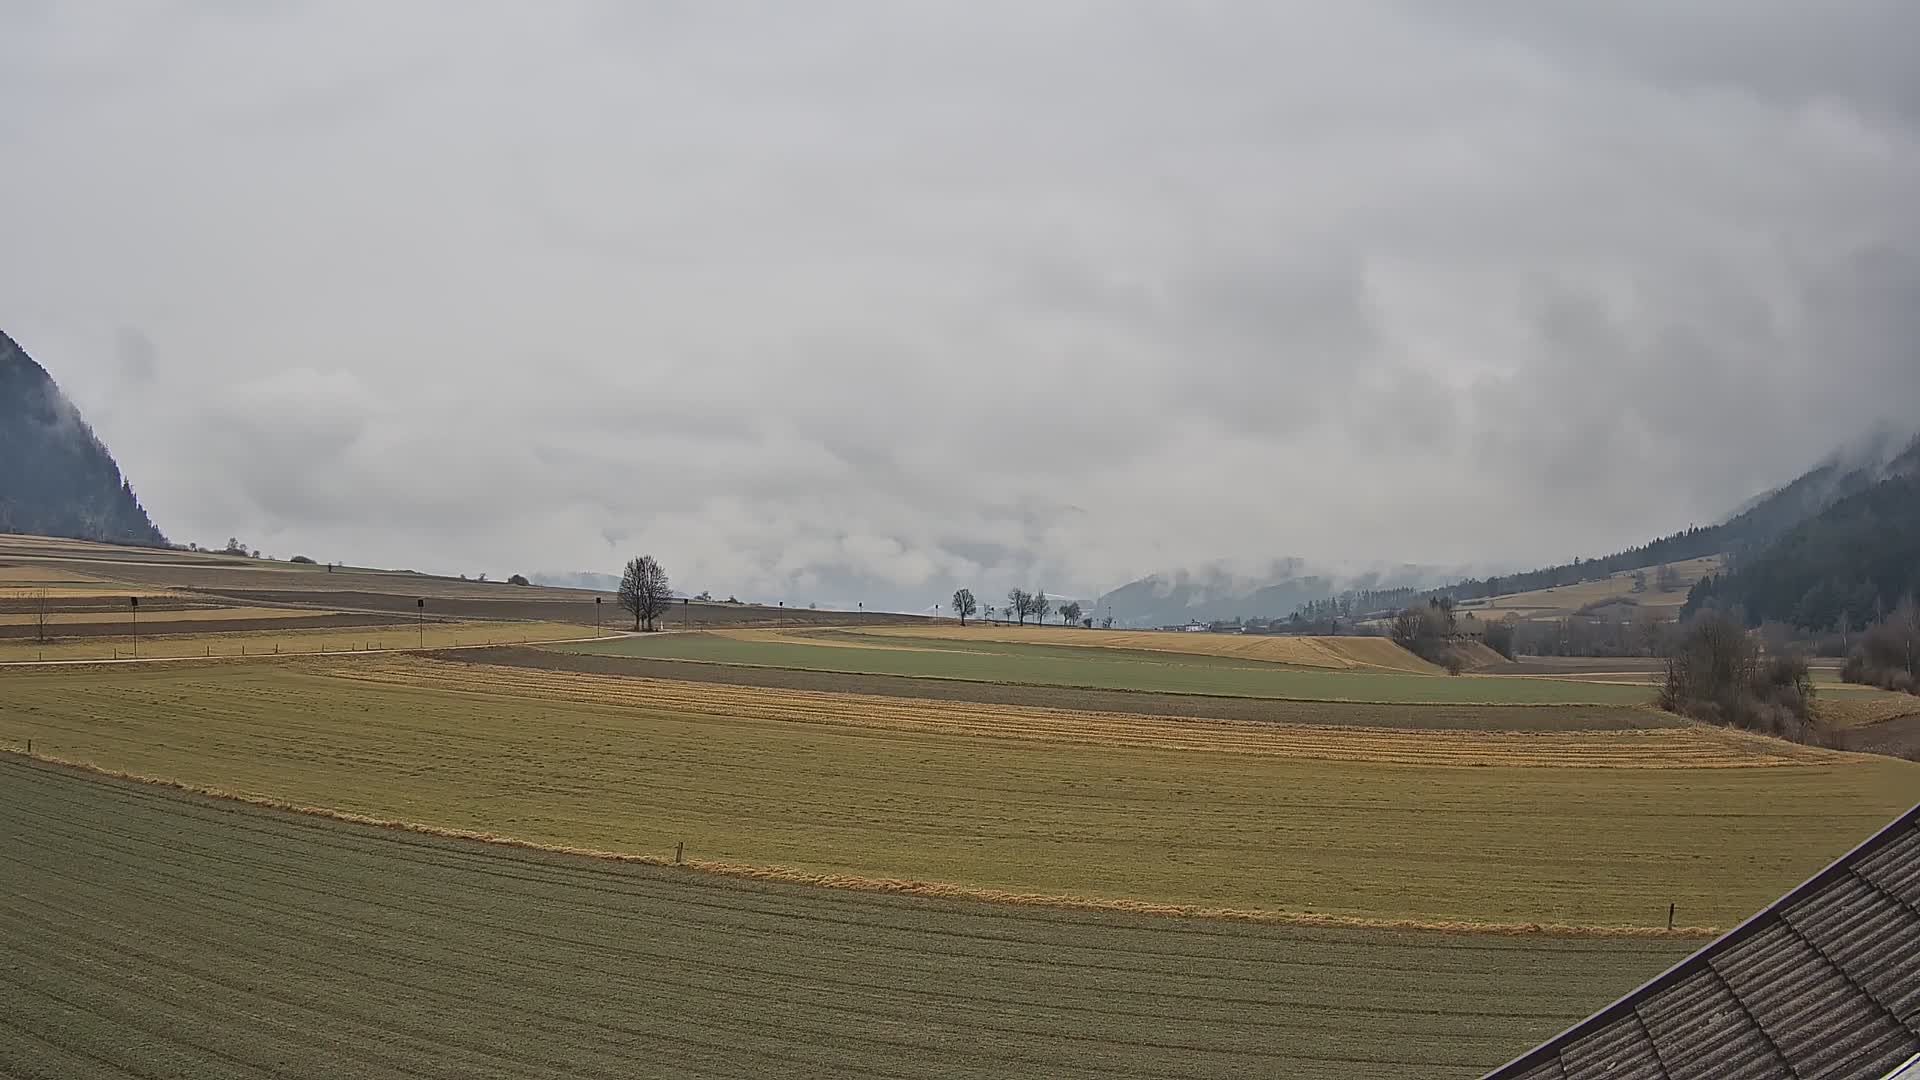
[56, 478]
[1852, 560]
[1746, 534]
[1290, 584]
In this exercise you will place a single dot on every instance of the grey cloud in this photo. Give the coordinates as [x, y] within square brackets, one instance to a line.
[863, 301]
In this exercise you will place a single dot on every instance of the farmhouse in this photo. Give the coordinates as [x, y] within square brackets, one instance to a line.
[1824, 983]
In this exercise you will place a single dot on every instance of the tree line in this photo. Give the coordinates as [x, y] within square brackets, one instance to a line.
[1716, 673]
[1021, 606]
[1887, 653]
[1841, 569]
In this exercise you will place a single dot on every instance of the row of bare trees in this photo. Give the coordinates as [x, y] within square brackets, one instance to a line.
[1021, 605]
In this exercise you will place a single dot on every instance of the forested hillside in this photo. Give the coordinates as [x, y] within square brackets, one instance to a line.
[56, 478]
[1743, 537]
[1853, 561]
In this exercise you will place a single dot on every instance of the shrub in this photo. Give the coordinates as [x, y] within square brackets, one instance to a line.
[1717, 676]
[1500, 638]
[518, 579]
[301, 559]
[1888, 655]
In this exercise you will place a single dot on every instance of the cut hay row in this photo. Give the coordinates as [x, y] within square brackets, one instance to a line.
[154, 931]
[1658, 748]
[19, 595]
[121, 617]
[290, 640]
[36, 576]
[1863, 706]
[1334, 653]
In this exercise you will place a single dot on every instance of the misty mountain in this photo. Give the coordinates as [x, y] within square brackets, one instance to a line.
[1851, 559]
[577, 579]
[56, 478]
[1757, 526]
[1219, 592]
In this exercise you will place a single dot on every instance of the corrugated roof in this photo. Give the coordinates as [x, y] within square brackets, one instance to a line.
[1822, 985]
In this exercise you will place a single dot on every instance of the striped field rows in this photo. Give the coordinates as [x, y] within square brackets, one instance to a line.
[155, 934]
[1121, 818]
[1654, 748]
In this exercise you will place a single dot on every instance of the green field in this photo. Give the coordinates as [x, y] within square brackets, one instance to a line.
[1263, 828]
[1112, 669]
[155, 934]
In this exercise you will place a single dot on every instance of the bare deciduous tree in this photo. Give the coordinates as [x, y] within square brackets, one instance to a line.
[644, 591]
[1019, 604]
[1040, 607]
[964, 604]
[1070, 612]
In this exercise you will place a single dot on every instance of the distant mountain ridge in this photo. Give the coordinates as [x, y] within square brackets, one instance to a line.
[56, 477]
[1217, 592]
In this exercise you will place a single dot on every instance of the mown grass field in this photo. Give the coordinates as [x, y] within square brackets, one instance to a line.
[1333, 653]
[962, 692]
[151, 933]
[58, 620]
[286, 641]
[1304, 822]
[858, 652]
[1564, 600]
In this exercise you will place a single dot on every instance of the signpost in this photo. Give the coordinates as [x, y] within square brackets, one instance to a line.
[421, 603]
[133, 604]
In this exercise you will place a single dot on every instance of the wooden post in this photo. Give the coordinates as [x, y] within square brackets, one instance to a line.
[679, 850]
[29, 747]
[1670, 916]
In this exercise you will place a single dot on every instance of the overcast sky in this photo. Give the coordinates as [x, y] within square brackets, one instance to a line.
[834, 301]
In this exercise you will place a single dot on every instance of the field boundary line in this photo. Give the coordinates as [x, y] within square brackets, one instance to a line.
[933, 890]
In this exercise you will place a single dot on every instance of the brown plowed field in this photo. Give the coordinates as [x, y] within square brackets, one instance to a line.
[1435, 717]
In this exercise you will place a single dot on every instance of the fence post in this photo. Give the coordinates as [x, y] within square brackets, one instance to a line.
[679, 849]
[1670, 916]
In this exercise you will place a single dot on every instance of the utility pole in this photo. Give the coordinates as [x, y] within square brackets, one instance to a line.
[421, 603]
[133, 604]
